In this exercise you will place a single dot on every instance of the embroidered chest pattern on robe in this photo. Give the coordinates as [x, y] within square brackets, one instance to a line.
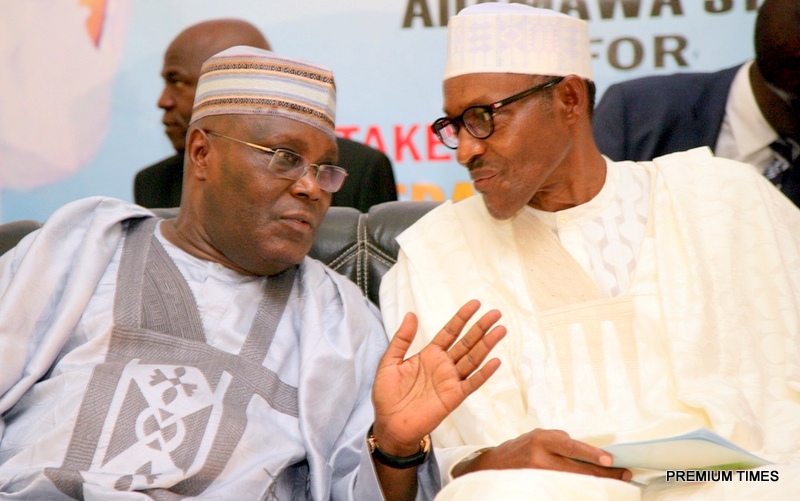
[164, 403]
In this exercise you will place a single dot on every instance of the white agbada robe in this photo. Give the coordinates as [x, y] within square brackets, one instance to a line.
[57, 293]
[707, 334]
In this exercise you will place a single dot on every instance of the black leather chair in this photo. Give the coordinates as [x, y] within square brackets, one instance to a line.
[360, 246]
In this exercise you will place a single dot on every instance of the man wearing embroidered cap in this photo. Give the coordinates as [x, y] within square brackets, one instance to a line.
[639, 303]
[206, 356]
[370, 178]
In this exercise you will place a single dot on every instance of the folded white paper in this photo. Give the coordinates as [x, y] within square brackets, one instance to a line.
[698, 450]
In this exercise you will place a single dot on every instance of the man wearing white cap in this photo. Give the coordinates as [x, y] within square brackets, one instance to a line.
[639, 303]
[206, 356]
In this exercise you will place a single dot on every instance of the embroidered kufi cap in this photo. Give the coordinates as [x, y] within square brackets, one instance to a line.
[516, 38]
[248, 81]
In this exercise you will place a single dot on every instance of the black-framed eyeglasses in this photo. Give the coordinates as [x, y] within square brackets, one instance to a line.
[287, 164]
[479, 120]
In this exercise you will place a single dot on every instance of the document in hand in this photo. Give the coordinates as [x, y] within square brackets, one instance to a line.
[698, 450]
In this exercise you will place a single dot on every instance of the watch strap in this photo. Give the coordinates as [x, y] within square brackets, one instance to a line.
[399, 462]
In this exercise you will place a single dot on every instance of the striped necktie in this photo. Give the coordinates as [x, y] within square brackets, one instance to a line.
[785, 157]
[784, 171]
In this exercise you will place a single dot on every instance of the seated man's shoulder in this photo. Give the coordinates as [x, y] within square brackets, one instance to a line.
[370, 179]
[351, 151]
[173, 164]
[659, 86]
[111, 208]
[699, 166]
[324, 282]
[87, 221]
[325, 290]
[160, 185]
[702, 158]
[449, 214]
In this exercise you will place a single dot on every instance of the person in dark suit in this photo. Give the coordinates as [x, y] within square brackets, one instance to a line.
[370, 177]
[749, 113]
[647, 117]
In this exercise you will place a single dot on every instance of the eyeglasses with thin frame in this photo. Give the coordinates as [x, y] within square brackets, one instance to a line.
[479, 120]
[287, 164]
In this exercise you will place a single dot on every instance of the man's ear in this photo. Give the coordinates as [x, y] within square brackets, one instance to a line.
[197, 151]
[572, 96]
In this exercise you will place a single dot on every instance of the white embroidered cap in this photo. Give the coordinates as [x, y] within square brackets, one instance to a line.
[516, 38]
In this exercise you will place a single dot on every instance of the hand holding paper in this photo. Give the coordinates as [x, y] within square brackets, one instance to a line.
[698, 450]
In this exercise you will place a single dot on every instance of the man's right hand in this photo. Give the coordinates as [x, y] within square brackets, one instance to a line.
[548, 450]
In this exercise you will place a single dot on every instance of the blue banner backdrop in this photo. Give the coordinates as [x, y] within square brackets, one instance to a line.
[80, 78]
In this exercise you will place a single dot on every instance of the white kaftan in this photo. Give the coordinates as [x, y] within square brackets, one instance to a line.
[707, 334]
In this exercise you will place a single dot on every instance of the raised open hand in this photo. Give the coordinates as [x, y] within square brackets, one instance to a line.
[411, 397]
